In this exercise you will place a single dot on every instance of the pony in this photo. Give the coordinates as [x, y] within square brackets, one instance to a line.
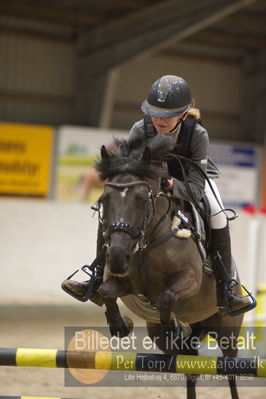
[156, 273]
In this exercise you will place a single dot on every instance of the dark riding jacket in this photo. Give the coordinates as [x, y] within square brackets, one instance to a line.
[192, 142]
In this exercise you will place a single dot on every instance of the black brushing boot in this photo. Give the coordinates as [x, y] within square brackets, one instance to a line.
[221, 253]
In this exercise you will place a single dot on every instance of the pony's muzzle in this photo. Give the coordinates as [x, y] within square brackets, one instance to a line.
[118, 259]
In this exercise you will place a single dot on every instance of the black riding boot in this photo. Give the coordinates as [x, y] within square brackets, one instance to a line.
[80, 289]
[221, 253]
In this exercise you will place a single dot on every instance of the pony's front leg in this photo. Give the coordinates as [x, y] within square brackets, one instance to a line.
[184, 285]
[110, 290]
[170, 326]
[119, 326]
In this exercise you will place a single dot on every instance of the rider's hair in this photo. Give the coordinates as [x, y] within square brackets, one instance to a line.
[194, 112]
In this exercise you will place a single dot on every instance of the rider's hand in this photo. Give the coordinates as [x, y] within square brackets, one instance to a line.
[170, 184]
[167, 184]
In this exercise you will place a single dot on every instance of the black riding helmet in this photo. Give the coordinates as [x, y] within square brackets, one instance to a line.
[169, 96]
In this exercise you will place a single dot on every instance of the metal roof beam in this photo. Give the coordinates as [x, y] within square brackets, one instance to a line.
[150, 30]
[222, 38]
[136, 24]
[179, 55]
[246, 21]
[121, 3]
[46, 13]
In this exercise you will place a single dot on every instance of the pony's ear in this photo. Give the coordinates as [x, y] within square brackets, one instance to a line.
[146, 156]
[104, 153]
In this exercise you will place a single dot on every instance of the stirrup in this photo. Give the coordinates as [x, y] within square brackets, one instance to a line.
[226, 291]
[91, 272]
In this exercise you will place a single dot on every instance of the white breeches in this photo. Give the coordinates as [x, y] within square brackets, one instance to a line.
[218, 221]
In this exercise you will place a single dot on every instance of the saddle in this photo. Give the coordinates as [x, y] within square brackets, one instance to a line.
[194, 221]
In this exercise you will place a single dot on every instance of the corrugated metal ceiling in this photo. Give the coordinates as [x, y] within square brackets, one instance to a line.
[245, 30]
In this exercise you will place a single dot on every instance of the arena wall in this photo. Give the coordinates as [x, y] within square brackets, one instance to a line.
[43, 242]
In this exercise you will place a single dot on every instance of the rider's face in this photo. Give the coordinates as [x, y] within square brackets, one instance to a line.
[165, 125]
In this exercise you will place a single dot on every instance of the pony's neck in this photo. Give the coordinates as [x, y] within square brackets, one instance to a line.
[161, 207]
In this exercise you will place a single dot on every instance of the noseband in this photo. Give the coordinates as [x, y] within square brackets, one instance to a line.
[119, 226]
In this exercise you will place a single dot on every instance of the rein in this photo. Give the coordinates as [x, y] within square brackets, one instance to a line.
[179, 159]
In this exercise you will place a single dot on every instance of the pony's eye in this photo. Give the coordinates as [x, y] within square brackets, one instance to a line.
[105, 198]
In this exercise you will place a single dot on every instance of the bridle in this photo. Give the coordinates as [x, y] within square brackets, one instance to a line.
[137, 233]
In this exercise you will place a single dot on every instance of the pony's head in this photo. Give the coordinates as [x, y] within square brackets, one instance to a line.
[134, 171]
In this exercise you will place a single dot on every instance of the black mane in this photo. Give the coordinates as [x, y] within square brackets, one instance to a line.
[138, 157]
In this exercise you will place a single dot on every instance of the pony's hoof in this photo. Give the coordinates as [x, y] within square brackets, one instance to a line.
[185, 328]
[122, 330]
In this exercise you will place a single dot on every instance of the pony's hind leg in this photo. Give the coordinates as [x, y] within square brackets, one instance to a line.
[192, 351]
[191, 386]
[177, 348]
[228, 350]
[231, 352]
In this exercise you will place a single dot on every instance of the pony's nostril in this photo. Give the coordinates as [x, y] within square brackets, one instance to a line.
[118, 260]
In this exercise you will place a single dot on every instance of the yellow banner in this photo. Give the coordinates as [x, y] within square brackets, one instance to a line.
[25, 159]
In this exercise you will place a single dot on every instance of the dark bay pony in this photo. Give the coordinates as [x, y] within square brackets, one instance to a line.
[156, 274]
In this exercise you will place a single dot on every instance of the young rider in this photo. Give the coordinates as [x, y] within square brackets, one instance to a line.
[168, 110]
